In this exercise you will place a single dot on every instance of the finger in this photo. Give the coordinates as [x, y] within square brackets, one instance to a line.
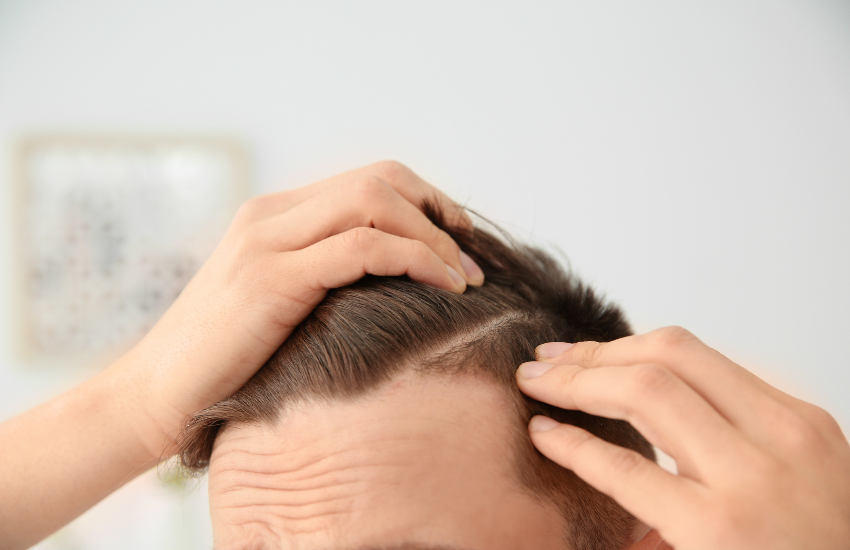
[740, 396]
[653, 400]
[345, 258]
[399, 177]
[367, 202]
[639, 485]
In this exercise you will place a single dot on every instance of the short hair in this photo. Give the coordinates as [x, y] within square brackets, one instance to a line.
[363, 335]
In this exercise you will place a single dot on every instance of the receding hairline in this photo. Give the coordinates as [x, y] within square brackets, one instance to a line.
[349, 342]
[506, 400]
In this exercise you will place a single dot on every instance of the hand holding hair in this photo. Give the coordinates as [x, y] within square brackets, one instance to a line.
[757, 468]
[281, 254]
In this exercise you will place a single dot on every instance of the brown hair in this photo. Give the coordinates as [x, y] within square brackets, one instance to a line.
[364, 334]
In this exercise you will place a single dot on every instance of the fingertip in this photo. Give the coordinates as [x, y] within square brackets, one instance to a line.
[474, 274]
[541, 423]
[533, 369]
[552, 349]
[459, 282]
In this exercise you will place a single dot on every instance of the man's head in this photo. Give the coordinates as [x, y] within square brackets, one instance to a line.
[391, 417]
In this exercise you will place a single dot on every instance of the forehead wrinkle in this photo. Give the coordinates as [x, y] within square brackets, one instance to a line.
[238, 470]
[303, 498]
[316, 492]
[303, 456]
[336, 478]
[301, 463]
[263, 449]
[323, 471]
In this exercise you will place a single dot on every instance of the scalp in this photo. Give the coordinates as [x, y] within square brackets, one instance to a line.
[363, 335]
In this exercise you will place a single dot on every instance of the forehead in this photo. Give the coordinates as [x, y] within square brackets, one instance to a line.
[425, 462]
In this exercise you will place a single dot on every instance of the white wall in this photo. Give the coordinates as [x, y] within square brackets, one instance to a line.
[691, 158]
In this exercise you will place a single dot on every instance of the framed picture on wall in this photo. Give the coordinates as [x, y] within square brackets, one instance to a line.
[109, 231]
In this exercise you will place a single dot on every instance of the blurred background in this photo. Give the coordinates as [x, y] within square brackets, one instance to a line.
[691, 159]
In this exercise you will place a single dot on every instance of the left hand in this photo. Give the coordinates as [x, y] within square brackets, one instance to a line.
[277, 261]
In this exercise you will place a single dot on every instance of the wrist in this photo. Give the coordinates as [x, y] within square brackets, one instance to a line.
[125, 387]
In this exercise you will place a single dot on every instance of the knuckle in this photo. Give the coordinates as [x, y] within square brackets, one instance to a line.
[672, 337]
[441, 239]
[247, 256]
[420, 251]
[251, 209]
[626, 461]
[392, 170]
[821, 418]
[358, 240]
[577, 442]
[368, 189]
[651, 380]
[801, 435]
[590, 353]
[250, 239]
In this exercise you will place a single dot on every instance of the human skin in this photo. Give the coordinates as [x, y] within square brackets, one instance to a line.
[757, 468]
[775, 473]
[279, 257]
[424, 460]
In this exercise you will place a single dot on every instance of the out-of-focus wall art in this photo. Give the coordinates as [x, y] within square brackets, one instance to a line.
[110, 230]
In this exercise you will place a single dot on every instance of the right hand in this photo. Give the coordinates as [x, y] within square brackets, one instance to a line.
[279, 257]
[757, 468]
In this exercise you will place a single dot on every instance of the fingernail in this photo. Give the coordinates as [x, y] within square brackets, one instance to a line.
[459, 281]
[542, 424]
[533, 369]
[473, 272]
[552, 349]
